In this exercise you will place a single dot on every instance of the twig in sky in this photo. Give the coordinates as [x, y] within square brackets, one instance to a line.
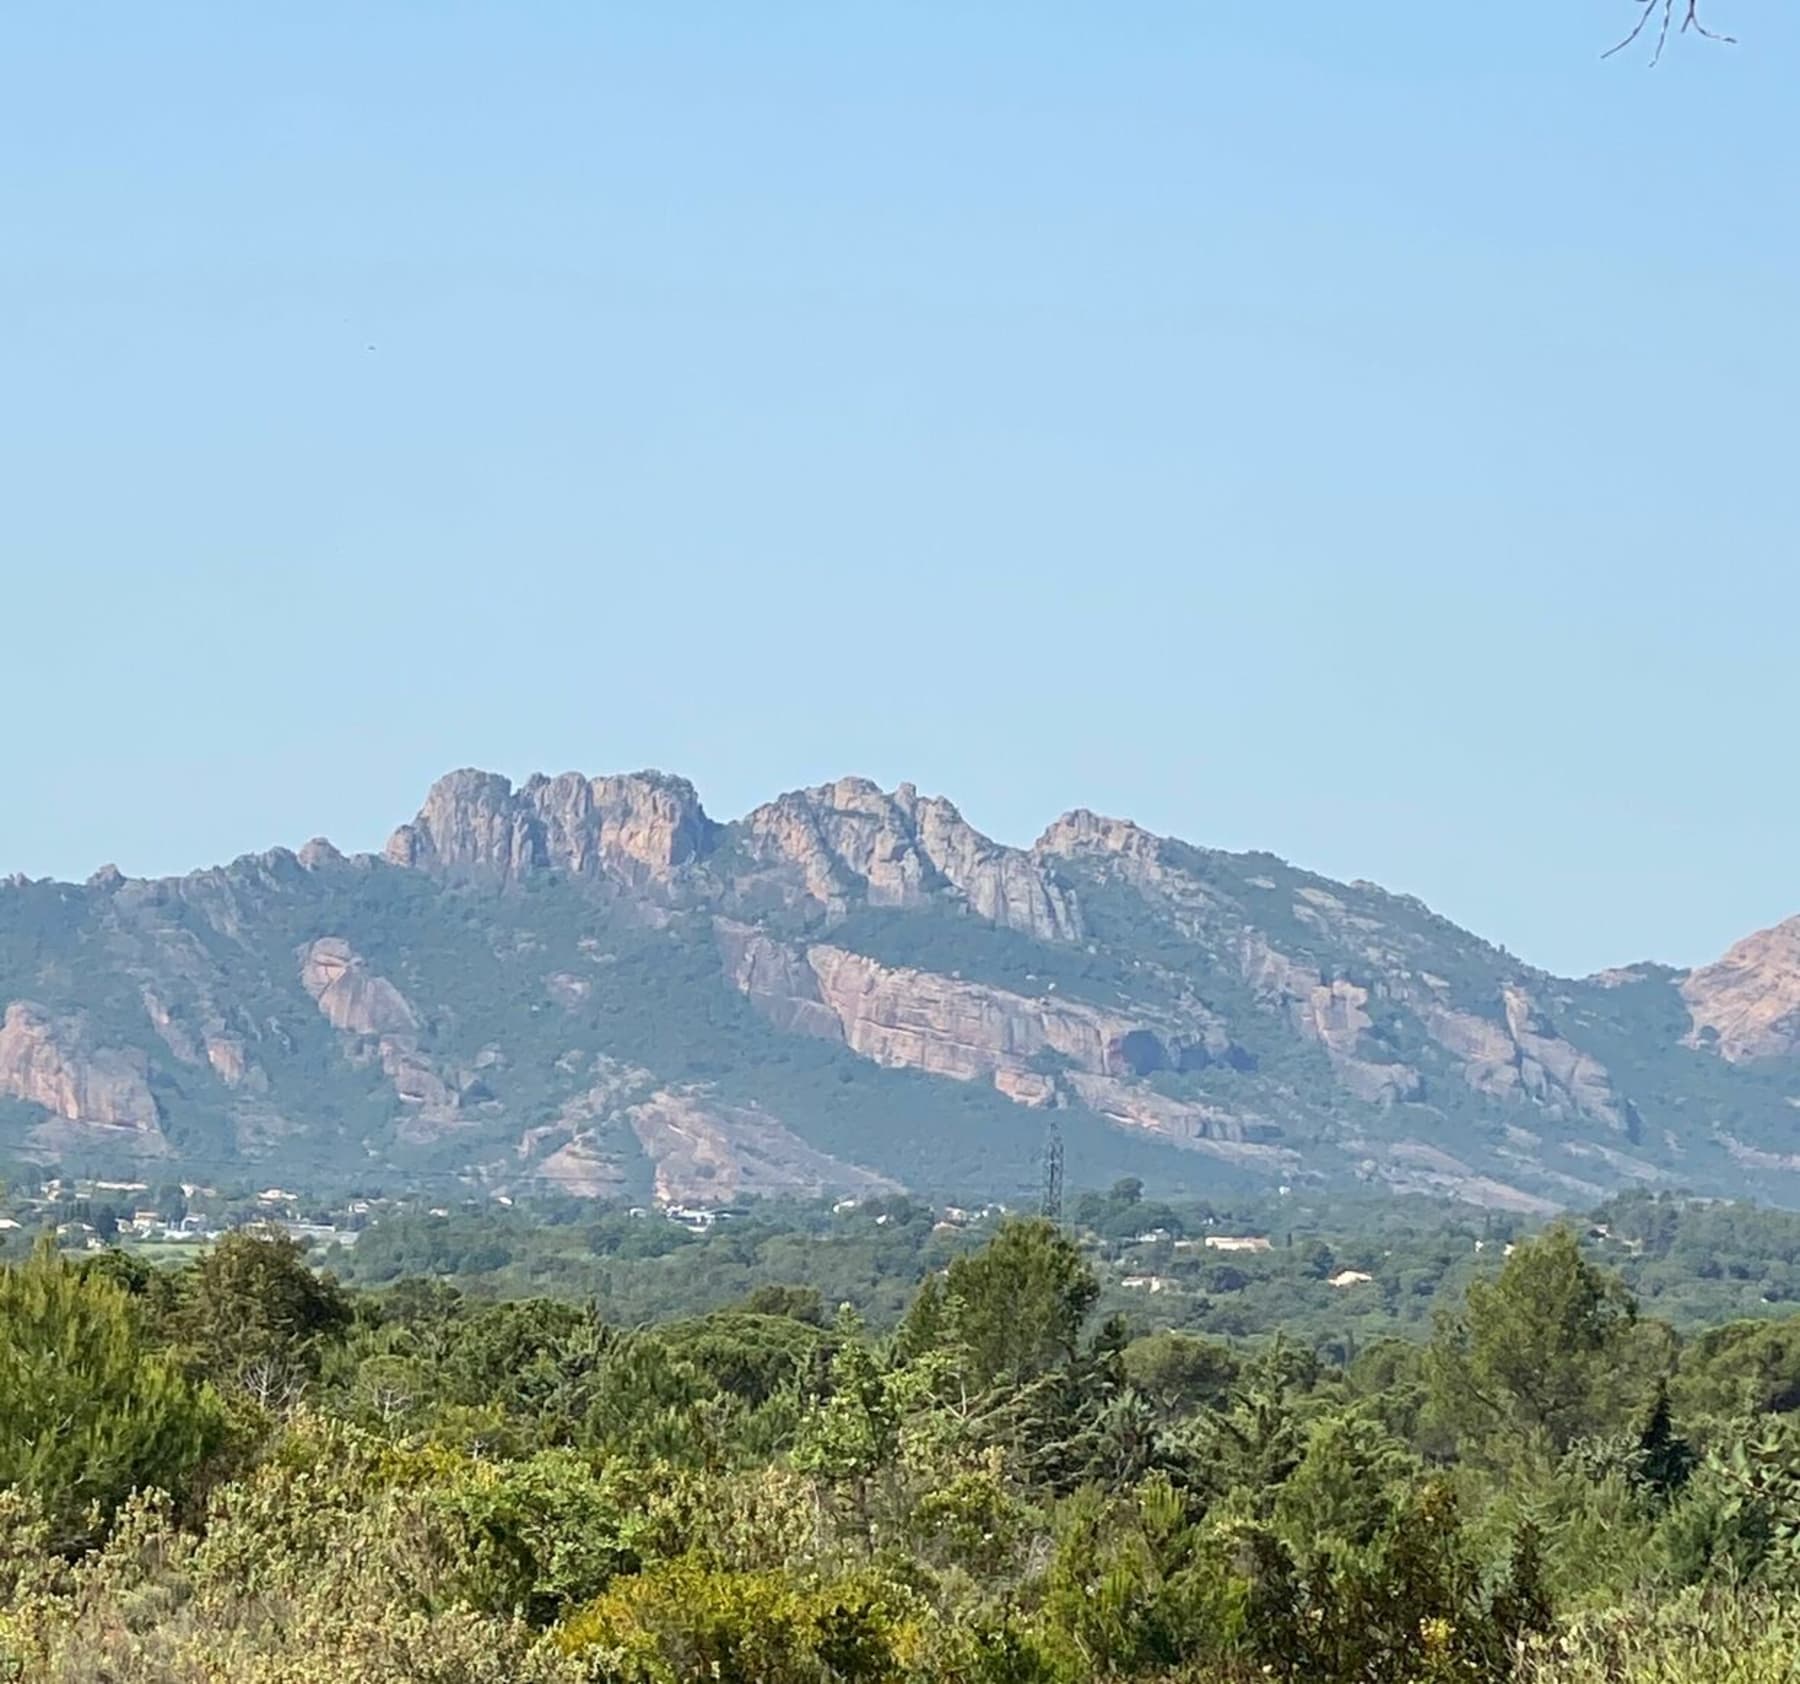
[1665, 11]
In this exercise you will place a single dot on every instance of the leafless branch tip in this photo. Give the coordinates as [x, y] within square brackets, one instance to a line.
[1664, 13]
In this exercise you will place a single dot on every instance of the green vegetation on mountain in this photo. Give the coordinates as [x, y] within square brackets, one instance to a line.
[589, 986]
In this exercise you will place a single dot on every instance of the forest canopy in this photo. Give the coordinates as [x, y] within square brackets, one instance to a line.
[240, 1468]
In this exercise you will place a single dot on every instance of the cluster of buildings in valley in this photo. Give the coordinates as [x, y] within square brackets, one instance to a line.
[1144, 1259]
[88, 1213]
[94, 1213]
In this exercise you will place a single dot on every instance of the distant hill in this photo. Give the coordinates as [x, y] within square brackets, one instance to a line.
[589, 984]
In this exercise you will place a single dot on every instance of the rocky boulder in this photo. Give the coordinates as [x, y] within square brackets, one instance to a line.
[351, 996]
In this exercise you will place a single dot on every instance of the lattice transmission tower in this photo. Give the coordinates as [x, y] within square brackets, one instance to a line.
[1050, 1202]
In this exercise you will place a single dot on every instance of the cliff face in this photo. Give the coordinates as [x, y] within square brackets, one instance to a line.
[849, 842]
[1522, 1055]
[1334, 1013]
[706, 1153]
[904, 1018]
[1747, 1005]
[210, 1043]
[55, 1064]
[641, 829]
[777, 979]
[1369, 993]
[587, 983]
[969, 1032]
[350, 996]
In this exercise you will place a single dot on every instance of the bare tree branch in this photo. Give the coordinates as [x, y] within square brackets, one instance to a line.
[1664, 12]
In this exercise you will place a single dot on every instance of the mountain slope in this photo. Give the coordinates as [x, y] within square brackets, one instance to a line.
[589, 983]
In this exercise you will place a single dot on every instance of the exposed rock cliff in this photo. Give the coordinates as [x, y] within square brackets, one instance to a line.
[1081, 832]
[581, 1033]
[1391, 939]
[964, 1030]
[1335, 1015]
[1523, 1057]
[349, 994]
[851, 841]
[584, 1168]
[53, 1062]
[708, 1153]
[210, 1043]
[777, 979]
[918, 1020]
[1747, 1005]
[579, 1152]
[640, 829]
[356, 1001]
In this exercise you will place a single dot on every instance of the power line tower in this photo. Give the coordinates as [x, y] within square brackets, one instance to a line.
[1051, 1203]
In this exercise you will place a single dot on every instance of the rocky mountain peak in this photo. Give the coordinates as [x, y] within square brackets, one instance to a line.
[320, 855]
[1746, 1005]
[638, 827]
[469, 822]
[1167, 1000]
[852, 840]
[1080, 831]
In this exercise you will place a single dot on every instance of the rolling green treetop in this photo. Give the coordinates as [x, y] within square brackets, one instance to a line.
[1548, 1352]
[90, 1413]
[1016, 1309]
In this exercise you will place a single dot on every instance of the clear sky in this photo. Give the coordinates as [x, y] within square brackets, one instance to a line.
[1364, 432]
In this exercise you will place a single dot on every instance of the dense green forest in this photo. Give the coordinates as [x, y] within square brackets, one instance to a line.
[241, 1468]
[1692, 1262]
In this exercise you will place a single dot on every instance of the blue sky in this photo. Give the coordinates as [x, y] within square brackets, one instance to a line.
[1360, 432]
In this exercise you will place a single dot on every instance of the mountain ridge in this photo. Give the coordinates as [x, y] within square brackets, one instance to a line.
[589, 982]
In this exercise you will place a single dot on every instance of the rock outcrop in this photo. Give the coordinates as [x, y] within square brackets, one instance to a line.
[701, 1149]
[706, 1152]
[969, 1032]
[1523, 1057]
[852, 842]
[210, 1044]
[1517, 1055]
[384, 1023]
[641, 829]
[1239, 1136]
[1080, 832]
[583, 1168]
[583, 1158]
[351, 996]
[777, 980]
[1746, 1005]
[1332, 1013]
[53, 1062]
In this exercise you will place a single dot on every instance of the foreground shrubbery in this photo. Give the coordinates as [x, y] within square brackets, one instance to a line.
[329, 1489]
